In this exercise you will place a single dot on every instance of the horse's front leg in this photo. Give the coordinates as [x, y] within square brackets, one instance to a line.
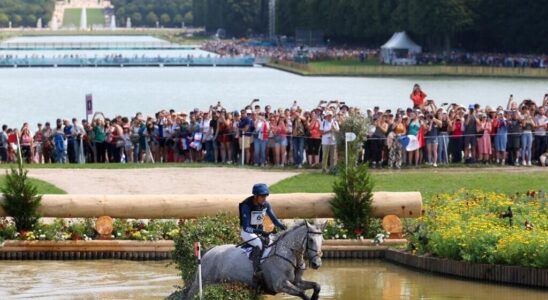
[306, 285]
[291, 289]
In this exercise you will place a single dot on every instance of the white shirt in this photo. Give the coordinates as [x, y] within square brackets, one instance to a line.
[329, 138]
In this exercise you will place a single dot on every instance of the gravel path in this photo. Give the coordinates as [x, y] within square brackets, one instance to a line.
[158, 181]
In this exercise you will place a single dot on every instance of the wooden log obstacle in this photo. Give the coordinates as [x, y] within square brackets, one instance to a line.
[287, 206]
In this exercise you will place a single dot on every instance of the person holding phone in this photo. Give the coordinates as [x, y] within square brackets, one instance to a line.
[417, 96]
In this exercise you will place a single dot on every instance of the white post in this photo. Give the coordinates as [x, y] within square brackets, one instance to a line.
[198, 254]
[19, 148]
[348, 137]
[81, 157]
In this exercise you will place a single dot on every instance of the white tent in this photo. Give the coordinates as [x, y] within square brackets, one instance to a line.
[399, 50]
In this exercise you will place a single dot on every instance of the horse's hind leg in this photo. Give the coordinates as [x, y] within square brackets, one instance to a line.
[291, 289]
[306, 285]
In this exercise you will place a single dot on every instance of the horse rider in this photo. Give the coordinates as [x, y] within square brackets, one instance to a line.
[252, 212]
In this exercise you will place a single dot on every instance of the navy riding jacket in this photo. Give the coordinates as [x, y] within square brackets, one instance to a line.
[251, 216]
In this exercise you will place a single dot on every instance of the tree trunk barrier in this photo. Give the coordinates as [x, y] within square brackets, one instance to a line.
[286, 206]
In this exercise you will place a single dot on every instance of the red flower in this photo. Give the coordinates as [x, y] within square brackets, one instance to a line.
[358, 231]
[23, 233]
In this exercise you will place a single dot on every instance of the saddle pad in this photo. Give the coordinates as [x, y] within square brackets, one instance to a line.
[247, 252]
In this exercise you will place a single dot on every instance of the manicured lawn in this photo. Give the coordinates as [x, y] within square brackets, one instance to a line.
[427, 182]
[43, 187]
[72, 17]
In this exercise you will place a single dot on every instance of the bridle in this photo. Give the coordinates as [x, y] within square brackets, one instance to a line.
[317, 252]
[299, 251]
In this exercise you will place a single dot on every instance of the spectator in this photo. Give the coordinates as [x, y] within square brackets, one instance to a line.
[329, 144]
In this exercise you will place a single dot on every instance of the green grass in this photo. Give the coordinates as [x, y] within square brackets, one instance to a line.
[95, 16]
[373, 68]
[427, 182]
[43, 187]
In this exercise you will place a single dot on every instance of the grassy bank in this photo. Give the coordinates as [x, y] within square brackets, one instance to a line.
[372, 68]
[95, 16]
[43, 187]
[427, 182]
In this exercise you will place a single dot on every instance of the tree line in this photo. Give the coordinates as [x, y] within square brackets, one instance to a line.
[25, 13]
[474, 25]
[149, 13]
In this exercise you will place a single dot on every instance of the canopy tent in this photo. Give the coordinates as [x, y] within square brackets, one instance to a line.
[399, 49]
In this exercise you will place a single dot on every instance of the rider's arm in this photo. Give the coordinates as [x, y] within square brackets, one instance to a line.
[273, 217]
[246, 217]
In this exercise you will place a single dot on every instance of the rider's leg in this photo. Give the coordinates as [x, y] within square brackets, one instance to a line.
[256, 252]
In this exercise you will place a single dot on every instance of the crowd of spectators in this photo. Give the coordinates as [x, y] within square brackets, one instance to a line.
[244, 48]
[484, 59]
[253, 135]
[423, 134]
[514, 134]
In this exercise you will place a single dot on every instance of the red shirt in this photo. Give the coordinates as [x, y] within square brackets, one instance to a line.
[457, 129]
[418, 98]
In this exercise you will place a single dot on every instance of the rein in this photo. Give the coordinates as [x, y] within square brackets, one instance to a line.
[304, 248]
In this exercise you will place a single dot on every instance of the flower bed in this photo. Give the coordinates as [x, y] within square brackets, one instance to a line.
[84, 229]
[479, 228]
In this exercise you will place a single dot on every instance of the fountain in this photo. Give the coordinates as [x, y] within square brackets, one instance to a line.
[39, 23]
[113, 22]
[54, 24]
[128, 22]
[84, 20]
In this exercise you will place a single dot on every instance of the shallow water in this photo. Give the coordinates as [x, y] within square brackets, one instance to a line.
[340, 279]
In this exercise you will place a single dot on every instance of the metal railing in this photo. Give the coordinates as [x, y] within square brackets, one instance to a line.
[94, 46]
[124, 61]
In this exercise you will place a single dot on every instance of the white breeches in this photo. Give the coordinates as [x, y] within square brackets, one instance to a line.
[252, 239]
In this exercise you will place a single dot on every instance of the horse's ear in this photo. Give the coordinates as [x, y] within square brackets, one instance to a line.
[323, 226]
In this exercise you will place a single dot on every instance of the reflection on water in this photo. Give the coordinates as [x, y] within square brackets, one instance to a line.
[342, 280]
[104, 279]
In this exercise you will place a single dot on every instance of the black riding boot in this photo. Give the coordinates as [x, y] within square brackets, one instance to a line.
[255, 257]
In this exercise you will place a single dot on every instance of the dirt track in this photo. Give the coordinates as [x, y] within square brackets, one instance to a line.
[158, 181]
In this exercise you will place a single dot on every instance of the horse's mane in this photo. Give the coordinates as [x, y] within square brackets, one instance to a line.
[290, 229]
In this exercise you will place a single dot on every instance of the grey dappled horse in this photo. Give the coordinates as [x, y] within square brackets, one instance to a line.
[282, 268]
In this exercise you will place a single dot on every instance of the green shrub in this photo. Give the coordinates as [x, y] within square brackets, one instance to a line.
[229, 291]
[353, 196]
[21, 199]
[209, 231]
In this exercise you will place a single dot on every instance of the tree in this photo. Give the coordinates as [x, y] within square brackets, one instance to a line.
[188, 18]
[21, 199]
[353, 197]
[4, 20]
[165, 19]
[17, 20]
[31, 20]
[151, 19]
